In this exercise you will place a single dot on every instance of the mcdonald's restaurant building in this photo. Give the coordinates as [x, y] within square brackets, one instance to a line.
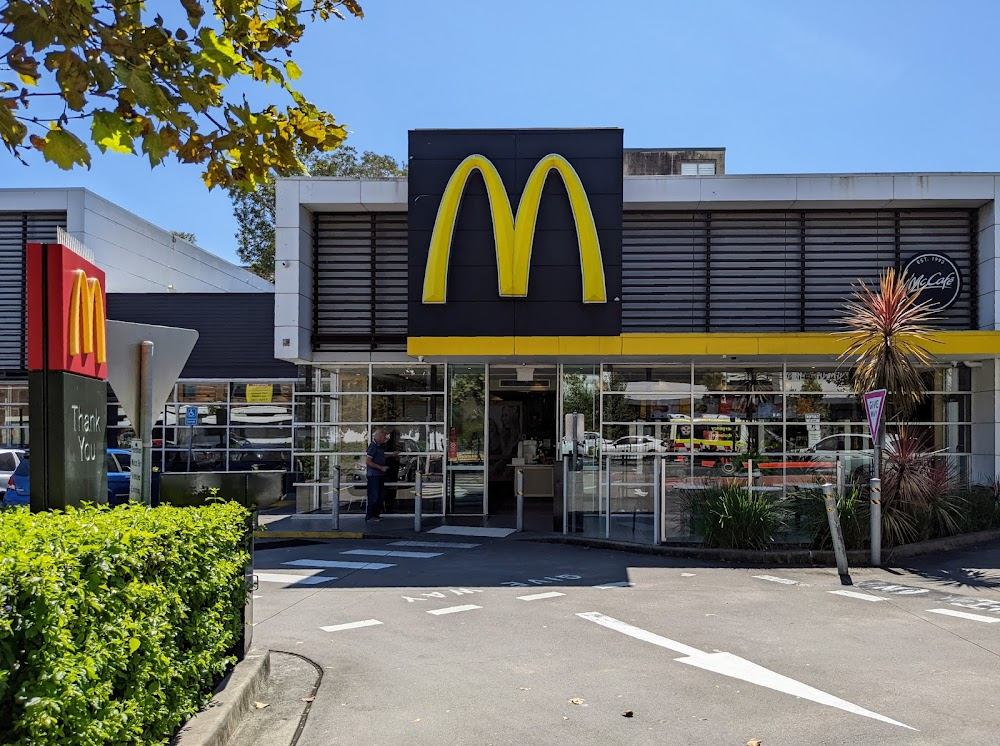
[516, 276]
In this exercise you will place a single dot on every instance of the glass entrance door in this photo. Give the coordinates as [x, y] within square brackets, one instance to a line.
[467, 447]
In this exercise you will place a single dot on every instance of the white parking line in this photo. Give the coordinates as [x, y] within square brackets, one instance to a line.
[964, 615]
[339, 565]
[855, 594]
[773, 579]
[279, 577]
[351, 625]
[434, 544]
[454, 609]
[540, 596]
[620, 584]
[386, 553]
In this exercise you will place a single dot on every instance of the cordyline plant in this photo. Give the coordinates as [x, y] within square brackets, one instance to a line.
[163, 79]
[888, 331]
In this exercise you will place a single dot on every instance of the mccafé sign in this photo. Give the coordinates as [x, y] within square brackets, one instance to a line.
[514, 236]
[935, 278]
[66, 324]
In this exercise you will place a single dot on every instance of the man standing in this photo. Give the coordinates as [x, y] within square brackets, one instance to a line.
[375, 462]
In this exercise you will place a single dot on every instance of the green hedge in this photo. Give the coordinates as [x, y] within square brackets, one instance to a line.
[115, 623]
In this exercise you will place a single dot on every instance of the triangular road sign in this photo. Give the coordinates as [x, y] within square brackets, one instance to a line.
[874, 404]
[171, 349]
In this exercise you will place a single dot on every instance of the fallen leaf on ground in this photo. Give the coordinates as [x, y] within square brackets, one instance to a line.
[755, 742]
[628, 713]
[525, 689]
[308, 699]
[577, 701]
[262, 705]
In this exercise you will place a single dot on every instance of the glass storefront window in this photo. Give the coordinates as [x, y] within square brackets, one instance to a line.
[408, 407]
[466, 415]
[407, 378]
[203, 392]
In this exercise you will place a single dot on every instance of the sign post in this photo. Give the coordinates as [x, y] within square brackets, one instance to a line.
[142, 387]
[190, 419]
[874, 406]
[136, 469]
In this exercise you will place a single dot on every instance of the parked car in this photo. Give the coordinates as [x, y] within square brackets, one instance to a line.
[118, 462]
[9, 459]
[854, 450]
[637, 445]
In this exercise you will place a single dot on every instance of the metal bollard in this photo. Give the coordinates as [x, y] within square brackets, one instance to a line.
[876, 520]
[565, 525]
[833, 517]
[418, 503]
[657, 499]
[335, 505]
[607, 512]
[519, 492]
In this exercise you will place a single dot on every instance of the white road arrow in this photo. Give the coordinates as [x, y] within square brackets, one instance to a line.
[735, 667]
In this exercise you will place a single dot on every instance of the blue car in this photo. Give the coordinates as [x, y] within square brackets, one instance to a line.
[118, 461]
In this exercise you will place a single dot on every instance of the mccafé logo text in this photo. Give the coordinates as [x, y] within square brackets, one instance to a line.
[514, 236]
[86, 323]
[934, 278]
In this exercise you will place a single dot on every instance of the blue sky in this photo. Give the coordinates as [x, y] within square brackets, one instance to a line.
[786, 86]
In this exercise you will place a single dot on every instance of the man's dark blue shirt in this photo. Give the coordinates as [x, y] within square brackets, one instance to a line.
[376, 453]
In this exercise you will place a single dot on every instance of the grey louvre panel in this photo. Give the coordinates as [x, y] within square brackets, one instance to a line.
[361, 266]
[778, 271]
[17, 229]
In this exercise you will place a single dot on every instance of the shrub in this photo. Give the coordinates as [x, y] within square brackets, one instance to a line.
[983, 506]
[115, 624]
[853, 509]
[734, 518]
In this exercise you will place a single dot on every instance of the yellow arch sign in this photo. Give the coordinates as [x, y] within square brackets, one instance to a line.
[86, 311]
[514, 238]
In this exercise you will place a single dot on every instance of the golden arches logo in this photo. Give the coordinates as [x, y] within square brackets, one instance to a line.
[514, 237]
[86, 318]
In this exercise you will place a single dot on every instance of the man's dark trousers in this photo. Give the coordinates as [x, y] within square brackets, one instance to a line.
[376, 493]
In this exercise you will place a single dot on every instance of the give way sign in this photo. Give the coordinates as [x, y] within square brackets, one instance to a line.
[874, 404]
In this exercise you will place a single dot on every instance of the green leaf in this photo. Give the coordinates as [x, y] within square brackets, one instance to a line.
[65, 149]
[111, 132]
[294, 71]
[154, 147]
[133, 644]
[218, 54]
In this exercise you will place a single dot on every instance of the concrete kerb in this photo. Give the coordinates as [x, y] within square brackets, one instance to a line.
[231, 701]
[779, 557]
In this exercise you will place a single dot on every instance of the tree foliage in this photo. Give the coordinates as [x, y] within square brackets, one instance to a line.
[888, 332]
[159, 81]
[185, 235]
[254, 209]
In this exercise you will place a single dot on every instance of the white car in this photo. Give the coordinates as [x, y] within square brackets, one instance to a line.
[855, 451]
[637, 445]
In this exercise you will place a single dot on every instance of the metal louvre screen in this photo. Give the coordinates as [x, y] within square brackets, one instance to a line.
[360, 281]
[778, 271]
[16, 230]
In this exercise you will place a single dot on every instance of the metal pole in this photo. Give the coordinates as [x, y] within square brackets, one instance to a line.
[833, 517]
[146, 417]
[607, 511]
[519, 493]
[876, 520]
[749, 475]
[840, 475]
[657, 500]
[565, 495]
[418, 506]
[335, 505]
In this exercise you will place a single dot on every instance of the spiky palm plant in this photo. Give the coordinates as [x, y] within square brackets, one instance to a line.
[888, 331]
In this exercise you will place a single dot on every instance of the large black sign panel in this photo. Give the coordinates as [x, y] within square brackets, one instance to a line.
[470, 285]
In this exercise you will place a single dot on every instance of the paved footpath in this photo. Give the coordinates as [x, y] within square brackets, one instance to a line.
[467, 640]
